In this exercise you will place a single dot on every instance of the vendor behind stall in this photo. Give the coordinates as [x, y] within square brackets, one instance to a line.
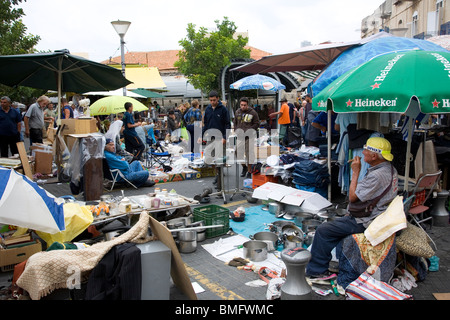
[379, 186]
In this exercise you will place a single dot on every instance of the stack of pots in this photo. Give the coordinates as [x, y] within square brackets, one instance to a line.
[186, 239]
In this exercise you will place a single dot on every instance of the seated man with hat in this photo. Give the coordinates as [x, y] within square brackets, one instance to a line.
[374, 191]
[133, 172]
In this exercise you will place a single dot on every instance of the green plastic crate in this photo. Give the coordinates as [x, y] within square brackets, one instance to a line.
[212, 215]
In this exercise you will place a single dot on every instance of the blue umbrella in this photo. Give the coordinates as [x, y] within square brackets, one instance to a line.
[257, 81]
[25, 204]
[358, 55]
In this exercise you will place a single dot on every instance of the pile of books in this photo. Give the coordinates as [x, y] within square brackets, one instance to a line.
[10, 242]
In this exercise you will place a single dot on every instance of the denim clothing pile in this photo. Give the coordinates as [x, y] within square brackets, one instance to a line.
[311, 176]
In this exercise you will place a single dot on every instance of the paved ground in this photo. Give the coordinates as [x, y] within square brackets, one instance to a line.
[222, 282]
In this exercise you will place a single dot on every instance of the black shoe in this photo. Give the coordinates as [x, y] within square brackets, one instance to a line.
[149, 183]
[248, 175]
[244, 171]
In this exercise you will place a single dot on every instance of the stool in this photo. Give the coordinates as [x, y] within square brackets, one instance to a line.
[439, 211]
[295, 287]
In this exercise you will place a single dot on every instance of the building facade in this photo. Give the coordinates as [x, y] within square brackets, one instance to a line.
[420, 19]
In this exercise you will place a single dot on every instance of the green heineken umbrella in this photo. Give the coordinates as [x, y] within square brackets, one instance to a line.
[392, 83]
[389, 82]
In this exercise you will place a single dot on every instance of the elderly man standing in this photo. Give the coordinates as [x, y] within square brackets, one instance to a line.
[34, 120]
[10, 120]
[377, 189]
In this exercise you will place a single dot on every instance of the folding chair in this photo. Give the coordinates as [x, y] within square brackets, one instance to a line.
[425, 186]
[113, 175]
[160, 158]
[152, 156]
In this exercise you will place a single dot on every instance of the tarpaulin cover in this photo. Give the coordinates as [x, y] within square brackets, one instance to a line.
[356, 56]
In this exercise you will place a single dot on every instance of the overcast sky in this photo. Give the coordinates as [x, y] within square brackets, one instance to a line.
[274, 26]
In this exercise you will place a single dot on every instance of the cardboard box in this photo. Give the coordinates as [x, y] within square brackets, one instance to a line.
[265, 151]
[76, 126]
[43, 158]
[14, 256]
[207, 172]
[308, 201]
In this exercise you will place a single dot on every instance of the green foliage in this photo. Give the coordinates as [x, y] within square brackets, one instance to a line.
[205, 53]
[15, 40]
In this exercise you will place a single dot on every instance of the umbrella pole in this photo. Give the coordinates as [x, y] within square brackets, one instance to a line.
[408, 154]
[329, 151]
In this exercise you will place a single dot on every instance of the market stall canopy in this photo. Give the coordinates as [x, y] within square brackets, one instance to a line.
[257, 81]
[309, 58]
[144, 77]
[59, 71]
[389, 82]
[41, 70]
[148, 93]
[114, 105]
[358, 55]
[41, 211]
[117, 92]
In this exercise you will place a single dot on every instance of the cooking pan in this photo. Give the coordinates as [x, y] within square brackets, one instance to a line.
[255, 250]
[269, 237]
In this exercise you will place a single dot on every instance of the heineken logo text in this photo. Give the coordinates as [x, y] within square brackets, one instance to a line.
[385, 71]
[443, 61]
[375, 103]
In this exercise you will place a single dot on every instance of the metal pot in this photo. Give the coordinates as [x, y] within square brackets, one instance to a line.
[255, 250]
[325, 216]
[187, 246]
[291, 242]
[292, 209]
[187, 235]
[302, 215]
[201, 233]
[187, 241]
[309, 238]
[291, 230]
[278, 225]
[310, 225]
[269, 237]
[275, 208]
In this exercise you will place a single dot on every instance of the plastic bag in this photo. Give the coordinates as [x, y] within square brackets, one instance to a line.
[77, 218]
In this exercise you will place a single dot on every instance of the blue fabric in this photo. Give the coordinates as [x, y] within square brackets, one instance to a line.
[192, 115]
[326, 238]
[128, 118]
[352, 265]
[9, 121]
[310, 173]
[356, 56]
[256, 220]
[70, 110]
[4, 178]
[322, 119]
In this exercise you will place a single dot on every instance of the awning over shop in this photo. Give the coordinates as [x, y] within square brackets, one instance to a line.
[147, 93]
[144, 78]
[309, 58]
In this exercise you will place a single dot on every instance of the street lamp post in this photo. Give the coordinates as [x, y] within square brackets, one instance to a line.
[121, 28]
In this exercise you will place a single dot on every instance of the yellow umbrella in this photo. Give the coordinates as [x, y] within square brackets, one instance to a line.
[113, 105]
